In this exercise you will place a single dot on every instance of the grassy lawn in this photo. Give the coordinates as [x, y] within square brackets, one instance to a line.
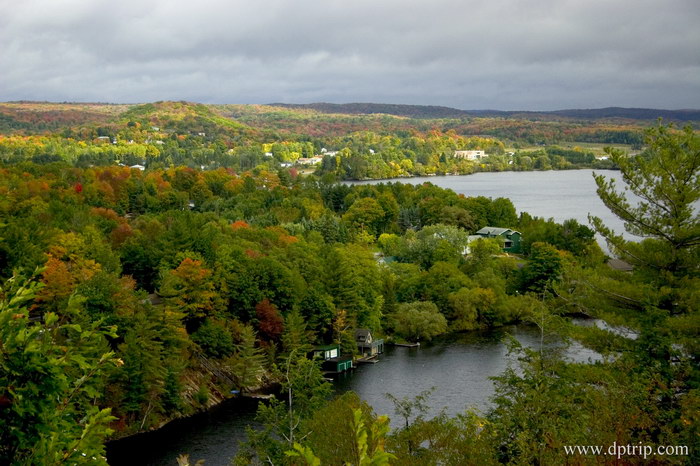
[596, 148]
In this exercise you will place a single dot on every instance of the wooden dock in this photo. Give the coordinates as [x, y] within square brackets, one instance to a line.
[408, 345]
[368, 359]
[258, 396]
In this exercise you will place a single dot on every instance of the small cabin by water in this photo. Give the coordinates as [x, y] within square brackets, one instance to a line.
[326, 352]
[333, 360]
[367, 345]
[337, 365]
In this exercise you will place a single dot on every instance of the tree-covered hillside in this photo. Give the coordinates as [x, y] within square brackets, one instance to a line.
[157, 260]
[166, 134]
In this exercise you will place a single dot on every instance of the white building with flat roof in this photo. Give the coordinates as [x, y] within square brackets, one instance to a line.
[469, 154]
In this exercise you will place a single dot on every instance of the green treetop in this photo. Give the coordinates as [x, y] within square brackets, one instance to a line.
[665, 181]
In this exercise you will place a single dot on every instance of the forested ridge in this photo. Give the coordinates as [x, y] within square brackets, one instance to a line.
[431, 111]
[133, 296]
[351, 146]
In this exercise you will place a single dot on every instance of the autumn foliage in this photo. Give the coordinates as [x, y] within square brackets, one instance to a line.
[238, 224]
[270, 322]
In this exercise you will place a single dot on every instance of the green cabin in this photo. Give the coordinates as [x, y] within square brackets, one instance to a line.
[333, 361]
[511, 238]
[337, 365]
[326, 352]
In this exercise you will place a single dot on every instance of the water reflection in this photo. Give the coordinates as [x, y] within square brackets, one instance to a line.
[212, 436]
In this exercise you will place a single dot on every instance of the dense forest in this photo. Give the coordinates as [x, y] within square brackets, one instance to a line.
[157, 259]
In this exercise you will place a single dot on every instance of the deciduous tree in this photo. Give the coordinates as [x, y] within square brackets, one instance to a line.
[419, 321]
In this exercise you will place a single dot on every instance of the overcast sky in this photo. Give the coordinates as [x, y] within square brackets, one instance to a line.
[488, 54]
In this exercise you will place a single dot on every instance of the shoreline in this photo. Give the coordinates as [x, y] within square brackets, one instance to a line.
[397, 179]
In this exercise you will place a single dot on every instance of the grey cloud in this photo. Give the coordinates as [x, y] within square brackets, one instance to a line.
[528, 54]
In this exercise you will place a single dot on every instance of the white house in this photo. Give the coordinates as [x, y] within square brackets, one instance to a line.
[469, 154]
[309, 160]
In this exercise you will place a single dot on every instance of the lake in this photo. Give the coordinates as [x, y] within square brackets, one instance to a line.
[557, 194]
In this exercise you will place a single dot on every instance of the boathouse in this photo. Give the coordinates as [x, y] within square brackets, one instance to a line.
[367, 345]
[333, 361]
[511, 238]
[336, 365]
[326, 352]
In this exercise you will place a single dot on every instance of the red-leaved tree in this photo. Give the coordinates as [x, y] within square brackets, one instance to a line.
[270, 322]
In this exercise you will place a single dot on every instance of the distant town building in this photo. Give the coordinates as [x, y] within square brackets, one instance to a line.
[309, 160]
[106, 139]
[325, 151]
[469, 154]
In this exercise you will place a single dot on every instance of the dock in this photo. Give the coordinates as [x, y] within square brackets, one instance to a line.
[408, 345]
[258, 396]
[368, 359]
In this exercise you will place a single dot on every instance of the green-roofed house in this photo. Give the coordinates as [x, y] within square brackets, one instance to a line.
[326, 352]
[332, 361]
[511, 238]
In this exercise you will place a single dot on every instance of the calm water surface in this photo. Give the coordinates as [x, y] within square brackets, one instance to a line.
[212, 436]
[560, 195]
[458, 366]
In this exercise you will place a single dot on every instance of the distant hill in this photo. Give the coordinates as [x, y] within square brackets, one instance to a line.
[239, 125]
[35, 117]
[180, 117]
[633, 113]
[188, 117]
[432, 111]
[411, 111]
